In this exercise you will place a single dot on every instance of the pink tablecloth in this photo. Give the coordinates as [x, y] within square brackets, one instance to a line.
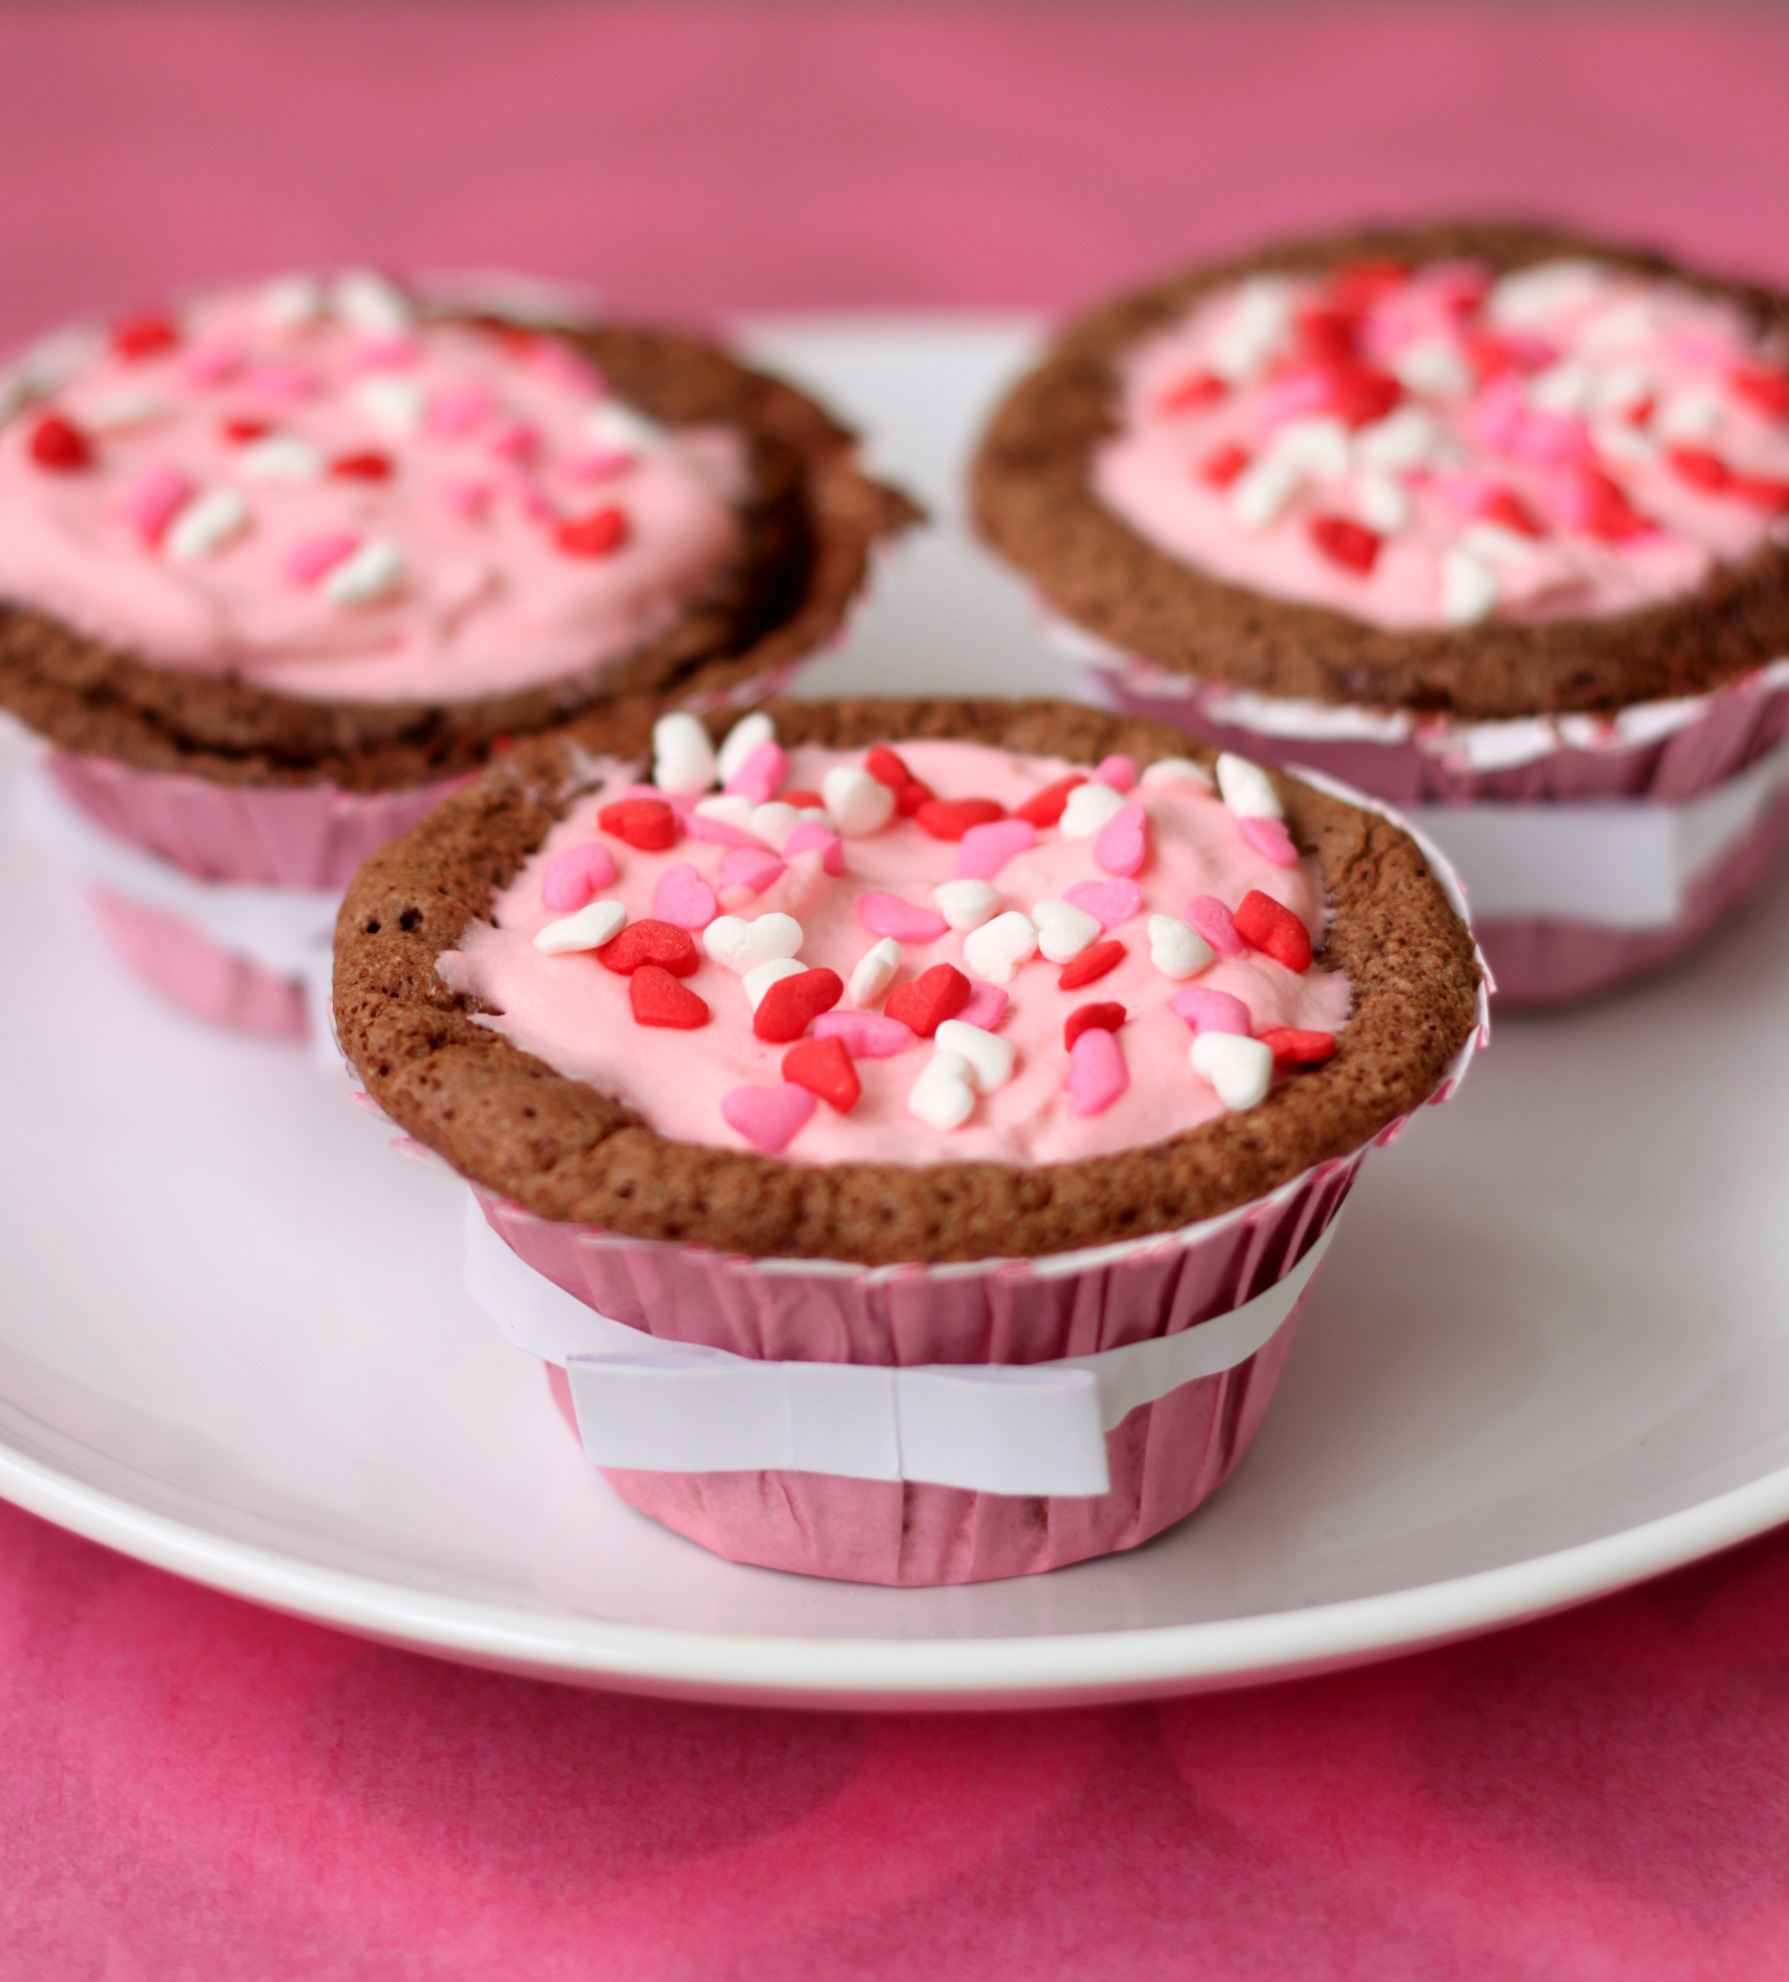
[190, 1787]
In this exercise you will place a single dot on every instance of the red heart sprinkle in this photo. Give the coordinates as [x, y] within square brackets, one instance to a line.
[1091, 965]
[1272, 928]
[800, 798]
[240, 432]
[1201, 389]
[1044, 808]
[934, 996]
[658, 999]
[1347, 543]
[646, 823]
[1359, 396]
[1606, 511]
[1762, 491]
[1356, 286]
[1221, 468]
[595, 535]
[1293, 1048]
[647, 941]
[1107, 1018]
[792, 1004]
[824, 1068]
[143, 337]
[1700, 468]
[951, 818]
[367, 466]
[59, 444]
[912, 797]
[1761, 388]
[1506, 507]
[1328, 337]
[886, 768]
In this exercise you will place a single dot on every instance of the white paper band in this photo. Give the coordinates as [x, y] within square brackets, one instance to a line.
[1033, 1428]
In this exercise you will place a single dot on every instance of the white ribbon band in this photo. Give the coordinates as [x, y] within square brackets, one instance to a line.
[1031, 1428]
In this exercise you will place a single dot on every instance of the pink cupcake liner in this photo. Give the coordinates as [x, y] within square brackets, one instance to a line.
[200, 976]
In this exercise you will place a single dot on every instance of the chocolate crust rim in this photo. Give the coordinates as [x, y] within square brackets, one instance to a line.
[1032, 504]
[564, 1151]
[812, 521]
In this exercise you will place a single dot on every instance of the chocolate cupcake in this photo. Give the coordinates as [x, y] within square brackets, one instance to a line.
[279, 565]
[944, 1037]
[1487, 519]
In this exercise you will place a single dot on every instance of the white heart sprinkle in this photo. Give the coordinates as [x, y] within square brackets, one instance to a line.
[205, 525]
[1562, 388]
[1063, 931]
[739, 944]
[365, 577]
[728, 809]
[1316, 447]
[281, 458]
[615, 425]
[1528, 297]
[394, 405]
[682, 756]
[1381, 504]
[762, 976]
[1089, 810]
[291, 301]
[595, 924]
[942, 1096]
[774, 821]
[1408, 438]
[367, 302]
[741, 740]
[1261, 494]
[1690, 416]
[117, 410]
[989, 1057]
[997, 948]
[1176, 950]
[1177, 771]
[1240, 1069]
[1495, 541]
[1258, 320]
[875, 972]
[1246, 789]
[1433, 366]
[855, 802]
[967, 904]
[1469, 588]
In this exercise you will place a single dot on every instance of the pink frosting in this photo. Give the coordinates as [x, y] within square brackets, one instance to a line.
[1634, 430]
[574, 1013]
[488, 437]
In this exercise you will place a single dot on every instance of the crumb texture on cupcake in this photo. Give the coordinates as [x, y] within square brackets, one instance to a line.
[919, 981]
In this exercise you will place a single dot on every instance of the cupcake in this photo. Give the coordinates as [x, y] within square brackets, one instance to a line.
[1486, 519]
[281, 564]
[907, 1129]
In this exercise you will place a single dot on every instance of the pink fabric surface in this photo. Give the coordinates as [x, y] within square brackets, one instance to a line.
[192, 1787]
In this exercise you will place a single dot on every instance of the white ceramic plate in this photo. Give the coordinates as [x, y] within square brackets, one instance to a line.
[1548, 1355]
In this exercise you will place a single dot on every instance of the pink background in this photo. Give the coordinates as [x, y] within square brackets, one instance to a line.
[191, 1787]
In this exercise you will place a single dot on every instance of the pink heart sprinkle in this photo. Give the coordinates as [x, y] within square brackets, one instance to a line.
[1206, 1010]
[311, 557]
[155, 501]
[984, 850]
[718, 833]
[867, 1035]
[1495, 417]
[1551, 439]
[285, 385]
[1108, 902]
[684, 898]
[746, 867]
[1118, 772]
[1123, 844]
[906, 922]
[571, 878]
[468, 498]
[1217, 925]
[597, 464]
[529, 499]
[768, 1116]
[1097, 1075]
[1270, 840]
[458, 408]
[986, 1007]
[516, 442]
[211, 362]
[761, 776]
[560, 362]
[383, 354]
[812, 837]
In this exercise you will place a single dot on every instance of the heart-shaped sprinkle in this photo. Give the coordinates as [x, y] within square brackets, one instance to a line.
[1044, 808]
[967, 904]
[997, 949]
[1097, 1075]
[741, 740]
[989, 1057]
[942, 1097]
[1063, 930]
[570, 878]
[683, 897]
[206, 525]
[739, 945]
[751, 868]
[792, 1004]
[1090, 810]
[875, 972]
[682, 756]
[1294, 1047]
[768, 1116]
[934, 996]
[1240, 1069]
[823, 1066]
[904, 921]
[1175, 950]
[984, 850]
[1108, 902]
[658, 999]
[1117, 771]
[859, 803]
[590, 928]
[58, 444]
[866, 1035]
[986, 1007]
[760, 776]
[1123, 843]
[1216, 924]
[774, 821]
[756, 982]
[649, 941]
[951, 818]
[1107, 1017]
[161, 494]
[1091, 965]
[726, 822]
[887, 767]
[646, 823]
[1270, 840]
[1247, 789]
[1177, 771]
[1208, 1010]
[1271, 928]
[312, 558]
